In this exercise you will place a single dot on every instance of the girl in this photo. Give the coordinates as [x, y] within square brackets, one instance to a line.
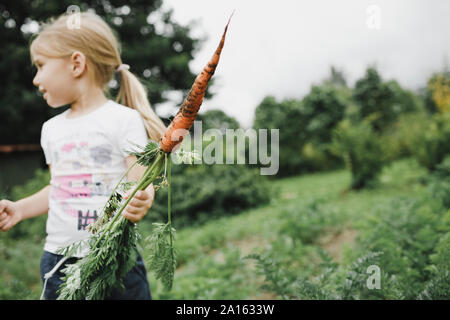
[86, 147]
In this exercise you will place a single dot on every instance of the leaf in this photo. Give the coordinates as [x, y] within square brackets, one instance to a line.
[162, 255]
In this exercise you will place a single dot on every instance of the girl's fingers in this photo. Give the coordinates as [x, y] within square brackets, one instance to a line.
[7, 226]
[3, 223]
[141, 195]
[137, 203]
[130, 216]
[132, 209]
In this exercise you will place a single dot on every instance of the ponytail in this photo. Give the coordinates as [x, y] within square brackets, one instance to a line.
[134, 95]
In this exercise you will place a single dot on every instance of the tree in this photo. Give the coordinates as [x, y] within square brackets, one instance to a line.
[288, 117]
[438, 92]
[324, 107]
[336, 78]
[375, 99]
[157, 49]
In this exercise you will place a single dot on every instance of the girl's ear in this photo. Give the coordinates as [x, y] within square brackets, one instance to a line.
[77, 63]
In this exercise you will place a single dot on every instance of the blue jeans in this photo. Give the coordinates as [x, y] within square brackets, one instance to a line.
[135, 281]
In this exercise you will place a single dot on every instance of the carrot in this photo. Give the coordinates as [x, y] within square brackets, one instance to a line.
[185, 116]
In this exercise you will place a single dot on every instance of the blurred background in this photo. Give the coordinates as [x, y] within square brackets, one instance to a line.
[360, 91]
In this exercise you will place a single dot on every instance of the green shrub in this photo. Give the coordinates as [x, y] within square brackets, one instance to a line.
[362, 151]
[288, 117]
[307, 223]
[331, 283]
[406, 231]
[434, 145]
[203, 192]
[208, 278]
[324, 107]
[438, 287]
[439, 184]
[401, 139]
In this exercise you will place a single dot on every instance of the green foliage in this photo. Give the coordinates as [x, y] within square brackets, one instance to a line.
[286, 116]
[203, 192]
[402, 138]
[111, 256]
[362, 151]
[307, 223]
[276, 278]
[433, 145]
[406, 231]
[323, 108]
[162, 253]
[331, 283]
[438, 287]
[113, 244]
[19, 274]
[304, 126]
[375, 98]
[439, 184]
[209, 277]
[437, 92]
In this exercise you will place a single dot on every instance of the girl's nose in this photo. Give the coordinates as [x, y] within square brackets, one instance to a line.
[35, 81]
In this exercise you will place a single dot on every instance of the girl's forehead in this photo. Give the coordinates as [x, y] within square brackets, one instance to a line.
[37, 58]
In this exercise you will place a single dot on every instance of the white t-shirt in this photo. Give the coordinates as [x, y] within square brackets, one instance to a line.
[87, 157]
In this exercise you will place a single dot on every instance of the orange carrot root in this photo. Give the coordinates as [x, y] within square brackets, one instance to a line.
[187, 113]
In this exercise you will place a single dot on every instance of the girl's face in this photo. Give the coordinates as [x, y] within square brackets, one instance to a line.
[55, 80]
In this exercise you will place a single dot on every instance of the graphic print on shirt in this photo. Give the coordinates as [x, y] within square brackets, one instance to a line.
[86, 218]
[82, 151]
[78, 187]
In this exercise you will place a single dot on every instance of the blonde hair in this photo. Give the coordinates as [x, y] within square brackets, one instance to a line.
[98, 42]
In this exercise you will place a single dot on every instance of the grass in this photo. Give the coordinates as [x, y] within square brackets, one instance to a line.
[219, 244]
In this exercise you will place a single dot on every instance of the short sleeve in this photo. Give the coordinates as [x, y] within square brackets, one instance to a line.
[44, 144]
[132, 132]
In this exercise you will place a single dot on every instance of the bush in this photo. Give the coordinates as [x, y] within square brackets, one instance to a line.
[288, 117]
[438, 287]
[439, 184]
[433, 146]
[324, 107]
[307, 223]
[331, 283]
[373, 96]
[406, 231]
[203, 192]
[362, 151]
[401, 139]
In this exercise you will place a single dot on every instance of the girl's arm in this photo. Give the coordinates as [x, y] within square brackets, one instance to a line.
[34, 205]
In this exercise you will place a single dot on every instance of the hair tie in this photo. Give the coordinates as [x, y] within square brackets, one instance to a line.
[123, 66]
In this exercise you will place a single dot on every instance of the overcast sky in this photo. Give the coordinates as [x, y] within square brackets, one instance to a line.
[282, 47]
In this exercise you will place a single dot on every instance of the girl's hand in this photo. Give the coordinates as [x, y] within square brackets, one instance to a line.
[10, 215]
[139, 205]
